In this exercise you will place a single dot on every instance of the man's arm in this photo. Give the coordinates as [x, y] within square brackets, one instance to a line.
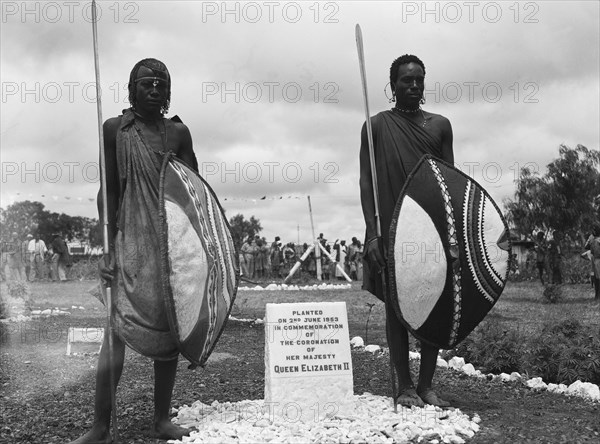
[185, 150]
[447, 137]
[110, 128]
[373, 244]
[367, 198]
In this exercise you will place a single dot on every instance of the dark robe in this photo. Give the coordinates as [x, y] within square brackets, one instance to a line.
[140, 313]
[398, 143]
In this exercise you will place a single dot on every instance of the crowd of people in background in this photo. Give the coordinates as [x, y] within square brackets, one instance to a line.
[549, 254]
[31, 259]
[260, 259]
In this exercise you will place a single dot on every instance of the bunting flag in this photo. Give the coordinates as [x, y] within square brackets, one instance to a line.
[15, 197]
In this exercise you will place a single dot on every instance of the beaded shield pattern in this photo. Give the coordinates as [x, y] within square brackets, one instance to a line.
[200, 270]
[448, 259]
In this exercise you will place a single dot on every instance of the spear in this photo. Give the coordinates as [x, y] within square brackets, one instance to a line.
[388, 306]
[108, 293]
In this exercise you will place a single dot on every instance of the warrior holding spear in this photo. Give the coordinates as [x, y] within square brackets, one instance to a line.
[392, 143]
[132, 148]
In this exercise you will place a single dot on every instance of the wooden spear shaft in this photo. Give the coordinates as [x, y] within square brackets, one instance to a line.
[109, 306]
[388, 306]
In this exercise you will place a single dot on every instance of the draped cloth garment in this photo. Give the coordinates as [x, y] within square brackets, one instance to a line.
[398, 143]
[140, 311]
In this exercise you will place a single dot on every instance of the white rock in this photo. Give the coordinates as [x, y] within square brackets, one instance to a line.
[583, 389]
[536, 384]
[442, 362]
[456, 362]
[515, 376]
[504, 377]
[414, 355]
[468, 369]
[271, 287]
[373, 415]
[372, 348]
[357, 341]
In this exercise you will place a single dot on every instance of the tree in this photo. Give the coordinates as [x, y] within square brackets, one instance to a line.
[21, 217]
[241, 228]
[31, 217]
[563, 199]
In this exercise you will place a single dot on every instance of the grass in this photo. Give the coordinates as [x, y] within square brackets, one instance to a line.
[523, 307]
[46, 396]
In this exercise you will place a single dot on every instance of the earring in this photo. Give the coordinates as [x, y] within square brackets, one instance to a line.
[422, 101]
[390, 99]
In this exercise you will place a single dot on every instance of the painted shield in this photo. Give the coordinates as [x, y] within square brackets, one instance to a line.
[449, 252]
[199, 262]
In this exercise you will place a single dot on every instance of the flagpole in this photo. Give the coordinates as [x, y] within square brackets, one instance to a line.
[317, 250]
[109, 306]
[388, 307]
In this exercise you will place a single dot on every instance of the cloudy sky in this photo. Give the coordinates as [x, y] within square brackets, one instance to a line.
[271, 93]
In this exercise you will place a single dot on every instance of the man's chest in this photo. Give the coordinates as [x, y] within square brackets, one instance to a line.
[160, 136]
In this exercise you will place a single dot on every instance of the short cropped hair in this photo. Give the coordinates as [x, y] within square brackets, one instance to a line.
[403, 60]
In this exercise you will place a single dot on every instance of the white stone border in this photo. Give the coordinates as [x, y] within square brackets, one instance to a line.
[285, 287]
[585, 390]
[372, 420]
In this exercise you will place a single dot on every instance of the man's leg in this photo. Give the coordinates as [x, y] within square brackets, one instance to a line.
[429, 356]
[32, 271]
[62, 271]
[100, 432]
[397, 338]
[541, 272]
[164, 381]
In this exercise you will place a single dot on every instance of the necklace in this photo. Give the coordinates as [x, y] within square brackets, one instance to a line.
[407, 111]
[412, 111]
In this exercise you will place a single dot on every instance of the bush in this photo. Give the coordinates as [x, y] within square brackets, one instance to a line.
[84, 269]
[553, 293]
[19, 290]
[3, 308]
[492, 348]
[576, 270]
[16, 290]
[564, 353]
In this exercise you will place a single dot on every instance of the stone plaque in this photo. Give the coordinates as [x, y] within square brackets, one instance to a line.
[308, 365]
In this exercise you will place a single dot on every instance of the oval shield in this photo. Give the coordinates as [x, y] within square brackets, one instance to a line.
[448, 255]
[199, 261]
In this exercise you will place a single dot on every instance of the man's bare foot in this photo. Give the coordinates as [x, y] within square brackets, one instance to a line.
[167, 430]
[430, 397]
[408, 398]
[95, 436]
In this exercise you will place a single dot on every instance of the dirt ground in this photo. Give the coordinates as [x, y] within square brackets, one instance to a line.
[47, 397]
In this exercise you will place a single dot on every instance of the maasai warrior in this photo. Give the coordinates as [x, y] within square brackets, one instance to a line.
[593, 244]
[134, 144]
[401, 137]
